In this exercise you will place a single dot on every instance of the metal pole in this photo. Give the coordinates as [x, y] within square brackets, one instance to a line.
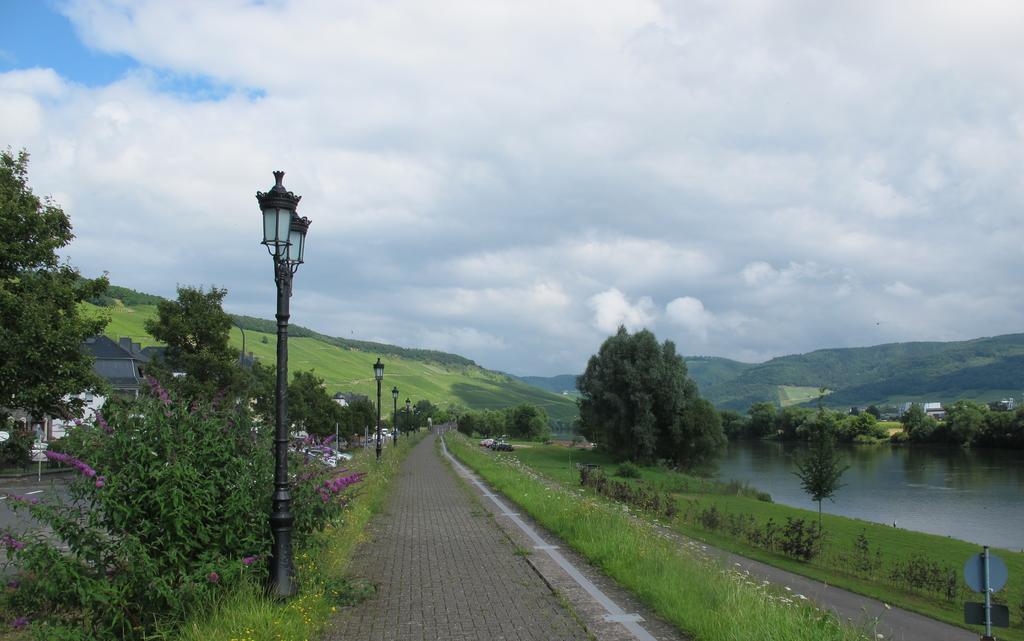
[394, 414]
[378, 419]
[988, 598]
[282, 567]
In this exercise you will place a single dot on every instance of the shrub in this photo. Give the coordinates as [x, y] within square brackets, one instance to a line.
[799, 539]
[16, 451]
[925, 575]
[170, 508]
[861, 560]
[628, 470]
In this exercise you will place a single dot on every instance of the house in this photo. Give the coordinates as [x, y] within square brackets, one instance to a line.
[121, 365]
[347, 398]
[935, 410]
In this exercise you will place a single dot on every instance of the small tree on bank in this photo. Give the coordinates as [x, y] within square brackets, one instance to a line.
[820, 469]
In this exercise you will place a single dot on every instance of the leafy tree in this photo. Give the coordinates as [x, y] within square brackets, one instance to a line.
[527, 422]
[734, 424]
[195, 329]
[42, 365]
[820, 469]
[632, 400]
[699, 439]
[762, 419]
[917, 425]
[310, 407]
[359, 415]
[791, 421]
[874, 411]
[965, 420]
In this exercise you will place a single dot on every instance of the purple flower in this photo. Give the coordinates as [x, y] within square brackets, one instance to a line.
[72, 461]
[213, 577]
[13, 584]
[12, 542]
[102, 422]
[19, 623]
[159, 390]
[23, 499]
[101, 481]
[249, 560]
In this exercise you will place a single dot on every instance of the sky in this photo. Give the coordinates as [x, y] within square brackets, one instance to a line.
[511, 181]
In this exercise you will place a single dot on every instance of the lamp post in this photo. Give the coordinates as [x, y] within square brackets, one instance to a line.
[394, 414]
[408, 416]
[378, 373]
[284, 234]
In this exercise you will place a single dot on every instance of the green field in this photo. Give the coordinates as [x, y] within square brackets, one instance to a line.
[351, 370]
[793, 395]
[893, 545]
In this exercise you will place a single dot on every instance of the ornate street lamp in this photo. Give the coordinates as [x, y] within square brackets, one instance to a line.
[378, 373]
[394, 414]
[284, 234]
[408, 416]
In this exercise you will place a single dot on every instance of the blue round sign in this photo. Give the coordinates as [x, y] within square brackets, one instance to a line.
[974, 573]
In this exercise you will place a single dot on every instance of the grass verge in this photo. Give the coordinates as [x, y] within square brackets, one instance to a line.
[246, 614]
[888, 546]
[694, 593]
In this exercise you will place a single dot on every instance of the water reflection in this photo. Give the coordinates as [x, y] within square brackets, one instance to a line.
[973, 495]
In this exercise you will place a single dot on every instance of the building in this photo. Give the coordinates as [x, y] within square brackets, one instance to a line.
[347, 398]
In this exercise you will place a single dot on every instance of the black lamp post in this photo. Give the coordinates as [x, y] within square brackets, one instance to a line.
[378, 373]
[394, 414]
[408, 416]
[284, 234]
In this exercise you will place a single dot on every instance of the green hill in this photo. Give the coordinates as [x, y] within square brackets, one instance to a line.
[347, 365]
[561, 384]
[983, 369]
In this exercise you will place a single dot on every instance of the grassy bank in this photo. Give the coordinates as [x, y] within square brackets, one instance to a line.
[692, 592]
[868, 558]
[247, 615]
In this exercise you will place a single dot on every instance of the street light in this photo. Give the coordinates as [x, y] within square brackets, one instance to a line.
[408, 417]
[378, 373]
[284, 234]
[394, 414]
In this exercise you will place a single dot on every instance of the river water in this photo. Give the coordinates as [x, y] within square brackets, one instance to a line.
[974, 495]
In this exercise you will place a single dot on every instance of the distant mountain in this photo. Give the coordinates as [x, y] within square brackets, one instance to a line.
[982, 369]
[563, 383]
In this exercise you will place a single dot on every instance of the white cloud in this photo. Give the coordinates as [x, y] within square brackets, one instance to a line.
[690, 313]
[612, 309]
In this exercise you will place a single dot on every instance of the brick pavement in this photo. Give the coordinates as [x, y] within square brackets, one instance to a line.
[444, 571]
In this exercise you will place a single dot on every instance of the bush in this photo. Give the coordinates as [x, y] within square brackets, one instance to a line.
[799, 539]
[16, 451]
[170, 508]
[628, 470]
[925, 575]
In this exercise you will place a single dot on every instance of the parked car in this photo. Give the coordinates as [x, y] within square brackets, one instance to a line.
[487, 442]
[500, 446]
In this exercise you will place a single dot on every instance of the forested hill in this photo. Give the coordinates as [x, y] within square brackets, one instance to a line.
[982, 369]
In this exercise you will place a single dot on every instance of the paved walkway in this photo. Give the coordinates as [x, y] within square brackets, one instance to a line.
[445, 572]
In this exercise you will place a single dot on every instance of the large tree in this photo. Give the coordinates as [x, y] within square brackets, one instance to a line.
[635, 401]
[196, 329]
[42, 365]
[310, 407]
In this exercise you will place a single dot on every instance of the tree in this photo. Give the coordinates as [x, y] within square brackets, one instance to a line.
[734, 424]
[633, 401]
[965, 420]
[526, 422]
[762, 419]
[196, 329]
[310, 407]
[820, 469]
[699, 439]
[42, 365]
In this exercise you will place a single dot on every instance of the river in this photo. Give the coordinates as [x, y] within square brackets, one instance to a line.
[974, 495]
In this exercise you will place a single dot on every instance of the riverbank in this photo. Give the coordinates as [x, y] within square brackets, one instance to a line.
[919, 572]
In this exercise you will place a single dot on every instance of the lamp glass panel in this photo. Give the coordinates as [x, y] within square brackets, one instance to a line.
[284, 225]
[295, 242]
[270, 225]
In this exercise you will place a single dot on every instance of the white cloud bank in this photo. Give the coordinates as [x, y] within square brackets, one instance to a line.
[512, 181]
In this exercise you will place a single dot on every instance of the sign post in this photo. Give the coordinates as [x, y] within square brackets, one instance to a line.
[986, 573]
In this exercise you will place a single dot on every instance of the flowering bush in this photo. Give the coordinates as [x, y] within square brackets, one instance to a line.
[169, 506]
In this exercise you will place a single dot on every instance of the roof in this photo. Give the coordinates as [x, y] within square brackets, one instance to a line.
[103, 347]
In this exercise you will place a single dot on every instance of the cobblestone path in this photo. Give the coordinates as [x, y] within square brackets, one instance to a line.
[444, 571]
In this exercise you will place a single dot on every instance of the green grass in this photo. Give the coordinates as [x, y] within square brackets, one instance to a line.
[793, 395]
[350, 370]
[841, 532]
[247, 615]
[692, 592]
